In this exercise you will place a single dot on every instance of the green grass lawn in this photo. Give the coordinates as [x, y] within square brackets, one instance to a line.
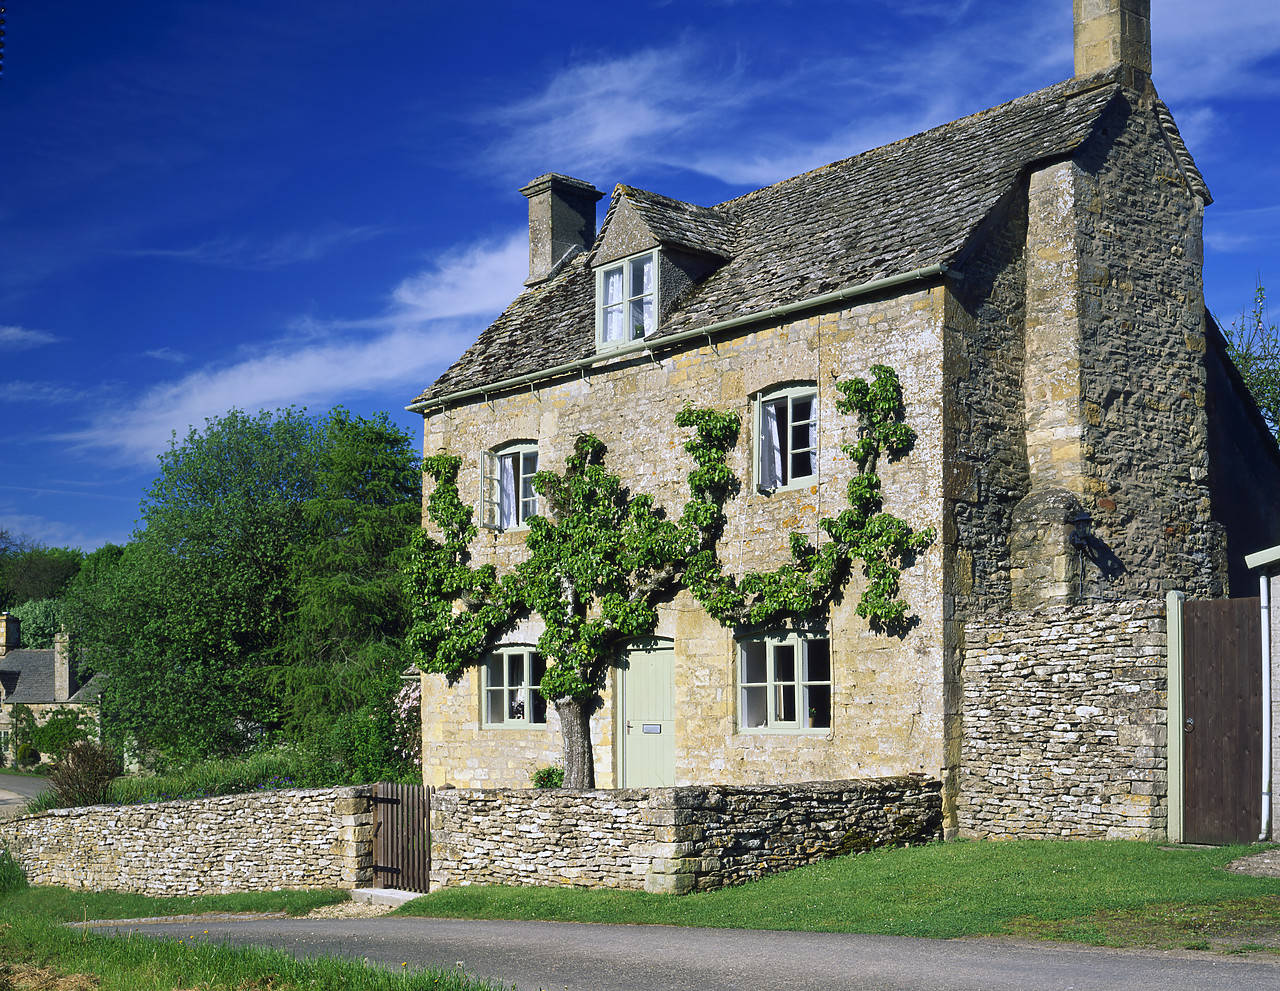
[1114, 893]
[38, 951]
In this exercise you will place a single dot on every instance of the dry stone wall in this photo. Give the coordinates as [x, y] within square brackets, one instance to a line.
[670, 840]
[264, 841]
[1065, 723]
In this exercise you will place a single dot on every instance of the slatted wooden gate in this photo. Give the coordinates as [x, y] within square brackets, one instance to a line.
[1222, 720]
[401, 836]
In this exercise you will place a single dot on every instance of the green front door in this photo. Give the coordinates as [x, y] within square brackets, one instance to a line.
[648, 715]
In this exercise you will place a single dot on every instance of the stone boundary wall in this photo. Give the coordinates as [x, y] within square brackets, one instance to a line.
[261, 841]
[1065, 723]
[670, 840]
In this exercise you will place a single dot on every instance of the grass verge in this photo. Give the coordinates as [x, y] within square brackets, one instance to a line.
[38, 951]
[1110, 893]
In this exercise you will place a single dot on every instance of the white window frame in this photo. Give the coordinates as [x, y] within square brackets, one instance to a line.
[509, 694]
[775, 454]
[507, 498]
[628, 297]
[780, 683]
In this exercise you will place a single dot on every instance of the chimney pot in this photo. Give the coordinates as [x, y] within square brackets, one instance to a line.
[1114, 32]
[562, 216]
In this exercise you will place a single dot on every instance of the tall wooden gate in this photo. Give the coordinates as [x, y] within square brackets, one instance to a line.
[1222, 720]
[401, 837]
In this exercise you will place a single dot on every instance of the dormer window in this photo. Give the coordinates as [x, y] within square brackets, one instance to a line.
[627, 300]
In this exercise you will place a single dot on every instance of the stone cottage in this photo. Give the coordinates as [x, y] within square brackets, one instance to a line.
[1033, 274]
[43, 680]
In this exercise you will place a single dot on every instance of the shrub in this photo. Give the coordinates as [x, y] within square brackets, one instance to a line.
[26, 755]
[83, 774]
[548, 777]
[12, 876]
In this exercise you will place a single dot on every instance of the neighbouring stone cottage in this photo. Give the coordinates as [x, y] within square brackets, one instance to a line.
[43, 680]
[1034, 275]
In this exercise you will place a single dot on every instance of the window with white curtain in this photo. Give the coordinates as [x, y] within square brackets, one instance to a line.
[627, 300]
[784, 682]
[786, 438]
[509, 497]
[510, 693]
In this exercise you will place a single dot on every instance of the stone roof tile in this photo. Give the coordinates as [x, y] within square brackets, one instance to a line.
[885, 212]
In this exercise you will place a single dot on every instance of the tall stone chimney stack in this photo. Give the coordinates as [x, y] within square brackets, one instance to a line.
[562, 216]
[61, 666]
[10, 639]
[1114, 32]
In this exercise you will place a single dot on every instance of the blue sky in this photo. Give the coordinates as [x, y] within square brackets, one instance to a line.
[206, 205]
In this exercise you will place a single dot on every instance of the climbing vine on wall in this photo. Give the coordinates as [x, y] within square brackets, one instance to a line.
[601, 559]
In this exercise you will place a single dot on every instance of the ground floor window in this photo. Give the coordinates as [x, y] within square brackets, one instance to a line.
[511, 696]
[784, 682]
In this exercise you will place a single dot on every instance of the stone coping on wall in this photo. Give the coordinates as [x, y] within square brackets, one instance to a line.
[670, 840]
[258, 841]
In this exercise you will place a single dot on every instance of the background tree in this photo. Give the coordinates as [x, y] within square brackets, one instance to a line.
[600, 560]
[253, 578]
[41, 620]
[1253, 343]
[33, 571]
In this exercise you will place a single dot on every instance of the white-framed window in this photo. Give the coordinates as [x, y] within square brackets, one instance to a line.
[784, 682]
[510, 695]
[786, 438]
[509, 497]
[627, 299]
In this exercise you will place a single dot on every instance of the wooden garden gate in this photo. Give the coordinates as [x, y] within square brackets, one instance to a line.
[401, 836]
[1222, 720]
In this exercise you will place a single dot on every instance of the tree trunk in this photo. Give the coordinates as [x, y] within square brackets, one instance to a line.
[575, 727]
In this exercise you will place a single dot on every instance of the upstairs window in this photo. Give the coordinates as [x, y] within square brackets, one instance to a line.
[509, 498]
[784, 683]
[627, 300]
[786, 438]
[511, 693]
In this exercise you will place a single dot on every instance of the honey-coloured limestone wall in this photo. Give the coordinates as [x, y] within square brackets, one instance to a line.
[1065, 723]
[887, 706]
[262, 841]
[670, 840]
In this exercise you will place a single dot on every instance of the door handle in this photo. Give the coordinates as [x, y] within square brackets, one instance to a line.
[1188, 725]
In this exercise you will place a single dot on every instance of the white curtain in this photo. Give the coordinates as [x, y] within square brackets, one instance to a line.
[507, 490]
[770, 447]
[614, 310]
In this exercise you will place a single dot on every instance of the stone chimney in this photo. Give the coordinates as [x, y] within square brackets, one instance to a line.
[1114, 32]
[9, 637]
[562, 216]
[61, 666]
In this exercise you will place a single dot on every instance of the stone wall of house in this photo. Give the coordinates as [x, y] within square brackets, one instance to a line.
[1064, 723]
[263, 841]
[670, 840]
[887, 704]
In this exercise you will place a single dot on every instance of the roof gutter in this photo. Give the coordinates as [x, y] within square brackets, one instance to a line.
[662, 343]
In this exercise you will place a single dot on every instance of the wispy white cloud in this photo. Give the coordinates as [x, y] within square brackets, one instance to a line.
[431, 316]
[56, 533]
[168, 354]
[1236, 231]
[21, 339]
[246, 253]
[1199, 55]
[481, 278]
[36, 392]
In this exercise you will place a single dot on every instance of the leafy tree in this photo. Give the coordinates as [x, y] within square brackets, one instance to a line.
[1253, 343]
[41, 621]
[253, 578]
[55, 735]
[601, 560]
[39, 572]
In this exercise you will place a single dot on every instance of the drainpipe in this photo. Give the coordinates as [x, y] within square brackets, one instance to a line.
[1264, 589]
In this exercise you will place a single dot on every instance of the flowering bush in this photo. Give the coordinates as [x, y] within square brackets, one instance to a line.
[407, 723]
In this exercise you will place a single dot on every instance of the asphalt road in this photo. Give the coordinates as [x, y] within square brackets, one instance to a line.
[576, 957]
[18, 789]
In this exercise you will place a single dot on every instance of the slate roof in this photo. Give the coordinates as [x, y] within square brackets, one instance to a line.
[27, 676]
[888, 211]
[679, 224]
